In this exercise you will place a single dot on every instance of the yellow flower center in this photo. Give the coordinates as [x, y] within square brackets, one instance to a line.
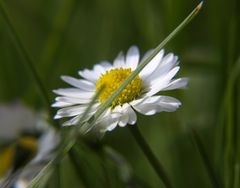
[112, 79]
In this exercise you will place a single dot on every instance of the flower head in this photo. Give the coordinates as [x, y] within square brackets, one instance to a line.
[139, 95]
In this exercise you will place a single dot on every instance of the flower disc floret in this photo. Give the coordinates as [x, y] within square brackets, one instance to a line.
[111, 81]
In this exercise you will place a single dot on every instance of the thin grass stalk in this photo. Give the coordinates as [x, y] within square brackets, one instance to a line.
[50, 53]
[231, 108]
[60, 25]
[152, 159]
[29, 63]
[206, 161]
[222, 117]
[231, 149]
[66, 145]
[77, 167]
[41, 179]
[236, 123]
[56, 176]
[237, 175]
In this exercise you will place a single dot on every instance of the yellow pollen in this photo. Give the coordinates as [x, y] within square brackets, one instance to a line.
[111, 81]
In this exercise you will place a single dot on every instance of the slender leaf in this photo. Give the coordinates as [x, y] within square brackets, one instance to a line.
[157, 166]
[207, 162]
[29, 63]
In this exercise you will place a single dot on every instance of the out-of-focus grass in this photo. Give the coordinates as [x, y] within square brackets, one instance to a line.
[65, 36]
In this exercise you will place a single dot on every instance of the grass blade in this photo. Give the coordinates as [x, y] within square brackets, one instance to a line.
[29, 63]
[157, 166]
[44, 174]
[65, 146]
[237, 176]
[60, 26]
[211, 172]
[230, 108]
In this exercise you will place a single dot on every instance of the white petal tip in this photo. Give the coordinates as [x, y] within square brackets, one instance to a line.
[55, 91]
[63, 77]
[134, 48]
[132, 122]
[122, 124]
[200, 5]
[57, 116]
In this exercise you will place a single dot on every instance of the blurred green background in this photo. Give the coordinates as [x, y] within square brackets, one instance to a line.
[64, 36]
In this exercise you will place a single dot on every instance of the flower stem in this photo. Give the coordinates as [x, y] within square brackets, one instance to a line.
[157, 166]
[28, 60]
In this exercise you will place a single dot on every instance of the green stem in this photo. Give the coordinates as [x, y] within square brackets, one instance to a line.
[28, 60]
[230, 109]
[157, 166]
[236, 176]
[207, 162]
[56, 36]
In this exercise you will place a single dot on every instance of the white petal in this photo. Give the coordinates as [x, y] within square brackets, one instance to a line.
[119, 61]
[73, 100]
[72, 121]
[126, 114]
[74, 92]
[106, 65]
[177, 84]
[132, 117]
[132, 57]
[79, 83]
[162, 82]
[168, 62]
[86, 127]
[61, 104]
[105, 114]
[145, 100]
[168, 104]
[70, 111]
[152, 65]
[108, 123]
[123, 120]
[77, 118]
[57, 116]
[112, 125]
[152, 105]
[90, 75]
[99, 69]
[74, 110]
[147, 54]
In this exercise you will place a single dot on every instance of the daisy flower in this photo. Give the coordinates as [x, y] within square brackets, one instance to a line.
[140, 95]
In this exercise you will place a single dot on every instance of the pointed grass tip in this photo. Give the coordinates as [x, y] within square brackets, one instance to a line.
[200, 5]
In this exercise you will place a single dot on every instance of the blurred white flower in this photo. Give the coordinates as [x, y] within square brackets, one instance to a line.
[47, 144]
[15, 118]
[30, 144]
[139, 95]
